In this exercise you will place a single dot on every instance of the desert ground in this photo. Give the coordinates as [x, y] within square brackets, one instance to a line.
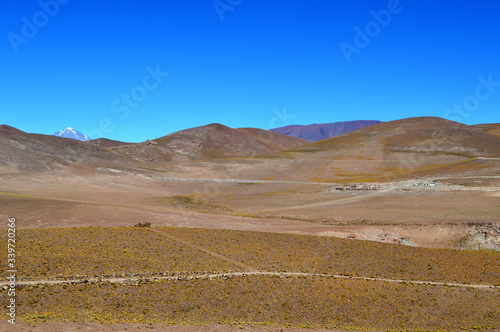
[263, 234]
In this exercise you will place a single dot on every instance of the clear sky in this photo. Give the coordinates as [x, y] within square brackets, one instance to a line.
[137, 70]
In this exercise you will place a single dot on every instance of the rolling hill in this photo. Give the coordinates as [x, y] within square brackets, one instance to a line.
[211, 141]
[409, 147]
[24, 152]
[421, 134]
[403, 148]
[490, 128]
[108, 143]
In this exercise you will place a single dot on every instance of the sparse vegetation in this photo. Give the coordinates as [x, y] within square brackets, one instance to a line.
[271, 301]
[194, 202]
[259, 300]
[185, 199]
[57, 253]
[143, 224]
[67, 252]
[302, 253]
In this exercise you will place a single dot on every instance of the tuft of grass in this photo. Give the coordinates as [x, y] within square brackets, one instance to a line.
[185, 199]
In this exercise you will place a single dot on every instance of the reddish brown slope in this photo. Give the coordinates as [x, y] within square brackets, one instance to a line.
[411, 147]
[108, 143]
[490, 128]
[25, 152]
[421, 134]
[6, 131]
[212, 141]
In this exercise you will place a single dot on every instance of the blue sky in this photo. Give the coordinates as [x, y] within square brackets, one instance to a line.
[137, 70]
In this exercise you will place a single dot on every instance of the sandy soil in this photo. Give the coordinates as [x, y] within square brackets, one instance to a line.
[82, 197]
[73, 327]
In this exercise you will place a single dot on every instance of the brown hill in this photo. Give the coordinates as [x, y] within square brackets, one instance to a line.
[6, 131]
[419, 146]
[490, 128]
[25, 152]
[108, 143]
[421, 134]
[212, 141]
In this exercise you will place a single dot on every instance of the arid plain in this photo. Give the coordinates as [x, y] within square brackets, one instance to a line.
[256, 230]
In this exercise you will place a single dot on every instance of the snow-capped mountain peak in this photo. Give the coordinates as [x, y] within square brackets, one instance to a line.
[72, 133]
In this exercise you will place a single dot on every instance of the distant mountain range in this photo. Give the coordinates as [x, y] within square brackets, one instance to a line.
[72, 133]
[312, 133]
[25, 152]
[401, 148]
[318, 132]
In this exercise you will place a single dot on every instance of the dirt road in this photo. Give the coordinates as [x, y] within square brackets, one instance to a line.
[242, 274]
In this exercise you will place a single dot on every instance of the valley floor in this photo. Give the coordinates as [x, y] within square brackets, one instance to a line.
[252, 255]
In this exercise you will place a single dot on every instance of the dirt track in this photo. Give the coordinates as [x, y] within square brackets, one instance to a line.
[334, 202]
[210, 252]
[249, 271]
[242, 274]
